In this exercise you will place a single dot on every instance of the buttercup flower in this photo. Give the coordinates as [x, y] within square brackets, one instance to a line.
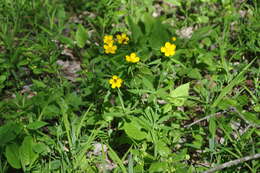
[115, 82]
[122, 39]
[110, 48]
[174, 39]
[108, 39]
[132, 58]
[168, 49]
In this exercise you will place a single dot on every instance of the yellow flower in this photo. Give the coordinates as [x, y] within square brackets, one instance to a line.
[168, 49]
[132, 58]
[174, 39]
[110, 48]
[108, 39]
[122, 39]
[115, 81]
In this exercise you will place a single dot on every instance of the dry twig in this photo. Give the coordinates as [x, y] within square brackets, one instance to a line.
[232, 163]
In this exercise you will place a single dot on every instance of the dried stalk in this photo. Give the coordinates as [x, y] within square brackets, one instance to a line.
[232, 163]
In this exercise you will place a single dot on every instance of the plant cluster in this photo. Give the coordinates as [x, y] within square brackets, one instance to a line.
[104, 86]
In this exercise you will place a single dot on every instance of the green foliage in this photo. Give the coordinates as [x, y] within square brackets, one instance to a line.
[59, 112]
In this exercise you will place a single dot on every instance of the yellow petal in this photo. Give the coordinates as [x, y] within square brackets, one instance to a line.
[167, 44]
[163, 49]
[167, 54]
[132, 55]
[113, 85]
[111, 81]
[114, 77]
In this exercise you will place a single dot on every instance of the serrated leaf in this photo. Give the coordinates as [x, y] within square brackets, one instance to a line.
[81, 36]
[12, 155]
[179, 95]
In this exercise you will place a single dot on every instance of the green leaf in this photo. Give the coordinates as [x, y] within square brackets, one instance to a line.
[2, 78]
[159, 35]
[135, 29]
[212, 126]
[230, 86]
[203, 19]
[81, 36]
[8, 132]
[252, 118]
[147, 84]
[36, 125]
[179, 95]
[39, 84]
[158, 167]
[112, 154]
[194, 73]
[162, 149]
[257, 108]
[12, 155]
[27, 155]
[174, 2]
[133, 130]
[40, 148]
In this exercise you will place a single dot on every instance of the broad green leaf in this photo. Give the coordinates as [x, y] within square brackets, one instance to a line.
[27, 155]
[203, 19]
[147, 83]
[133, 130]
[179, 95]
[135, 29]
[40, 148]
[166, 108]
[158, 167]
[162, 148]
[252, 118]
[12, 155]
[257, 108]
[194, 73]
[148, 21]
[2, 78]
[174, 2]
[36, 125]
[39, 84]
[8, 132]
[159, 35]
[81, 36]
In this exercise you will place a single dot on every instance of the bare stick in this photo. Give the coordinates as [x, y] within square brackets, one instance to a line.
[232, 163]
[204, 118]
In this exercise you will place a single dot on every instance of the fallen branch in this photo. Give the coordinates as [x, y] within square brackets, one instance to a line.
[204, 118]
[232, 163]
